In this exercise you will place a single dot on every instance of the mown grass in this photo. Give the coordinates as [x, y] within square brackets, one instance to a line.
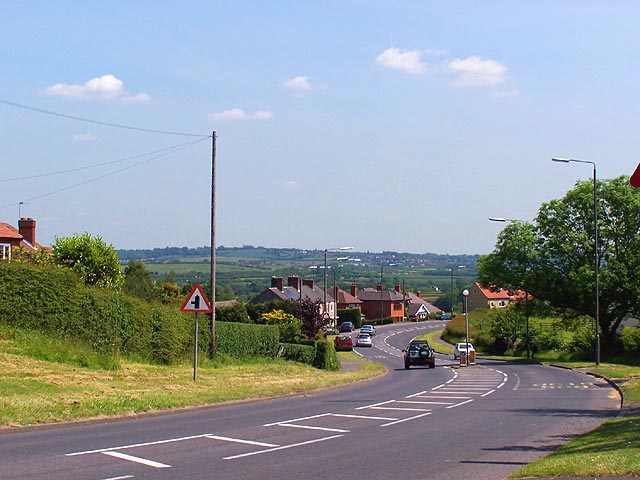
[70, 384]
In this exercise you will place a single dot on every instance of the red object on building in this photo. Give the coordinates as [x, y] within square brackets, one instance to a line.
[635, 178]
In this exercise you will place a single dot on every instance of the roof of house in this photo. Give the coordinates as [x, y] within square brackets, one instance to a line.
[291, 293]
[500, 294]
[9, 231]
[414, 299]
[370, 294]
[346, 297]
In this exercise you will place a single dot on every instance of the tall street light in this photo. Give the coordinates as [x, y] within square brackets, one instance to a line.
[451, 287]
[526, 293]
[595, 249]
[336, 249]
[465, 293]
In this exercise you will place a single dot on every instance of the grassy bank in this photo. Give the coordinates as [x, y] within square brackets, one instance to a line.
[66, 382]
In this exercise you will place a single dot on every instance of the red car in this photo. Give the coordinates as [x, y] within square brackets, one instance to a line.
[343, 342]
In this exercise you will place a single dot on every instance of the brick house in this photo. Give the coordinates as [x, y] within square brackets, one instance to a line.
[482, 297]
[378, 303]
[419, 308]
[24, 237]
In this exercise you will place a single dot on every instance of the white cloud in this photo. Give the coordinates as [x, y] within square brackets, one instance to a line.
[291, 185]
[408, 61]
[84, 137]
[476, 71]
[506, 93]
[137, 98]
[301, 83]
[106, 87]
[240, 114]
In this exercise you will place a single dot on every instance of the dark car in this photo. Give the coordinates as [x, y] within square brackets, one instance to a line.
[419, 352]
[346, 327]
[343, 342]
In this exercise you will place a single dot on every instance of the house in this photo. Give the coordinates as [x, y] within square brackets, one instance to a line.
[482, 297]
[378, 303]
[346, 300]
[23, 237]
[294, 289]
[419, 308]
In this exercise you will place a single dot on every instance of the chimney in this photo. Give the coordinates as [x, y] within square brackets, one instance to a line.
[293, 281]
[27, 228]
[308, 283]
[354, 289]
[379, 286]
[277, 282]
[419, 294]
[398, 288]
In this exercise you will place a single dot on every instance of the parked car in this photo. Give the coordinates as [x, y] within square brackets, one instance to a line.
[444, 316]
[346, 327]
[343, 342]
[364, 340]
[419, 352]
[368, 329]
[461, 348]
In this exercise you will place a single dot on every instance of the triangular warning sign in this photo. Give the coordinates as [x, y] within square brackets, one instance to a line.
[635, 178]
[196, 301]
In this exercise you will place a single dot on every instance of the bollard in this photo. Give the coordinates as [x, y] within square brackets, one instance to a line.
[472, 357]
[463, 359]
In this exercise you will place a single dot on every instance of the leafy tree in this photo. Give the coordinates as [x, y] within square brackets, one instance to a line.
[312, 322]
[553, 259]
[96, 262]
[137, 281]
[290, 326]
[235, 313]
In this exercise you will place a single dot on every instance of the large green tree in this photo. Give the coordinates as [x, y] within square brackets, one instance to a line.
[137, 280]
[553, 258]
[90, 257]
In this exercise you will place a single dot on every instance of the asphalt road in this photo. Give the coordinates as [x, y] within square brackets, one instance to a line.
[480, 422]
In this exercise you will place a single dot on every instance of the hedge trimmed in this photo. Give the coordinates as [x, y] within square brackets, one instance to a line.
[298, 353]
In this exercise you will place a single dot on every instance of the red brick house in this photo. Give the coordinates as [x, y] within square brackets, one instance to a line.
[24, 236]
[378, 303]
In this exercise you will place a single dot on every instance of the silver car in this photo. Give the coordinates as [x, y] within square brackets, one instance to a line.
[461, 348]
[364, 340]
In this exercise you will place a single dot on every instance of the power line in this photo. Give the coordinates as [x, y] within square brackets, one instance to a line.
[60, 172]
[69, 187]
[98, 122]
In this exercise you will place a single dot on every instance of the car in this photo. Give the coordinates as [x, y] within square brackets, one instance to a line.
[368, 329]
[343, 342]
[364, 340]
[461, 348]
[419, 352]
[346, 327]
[444, 316]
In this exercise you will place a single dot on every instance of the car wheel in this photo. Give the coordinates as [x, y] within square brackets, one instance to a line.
[406, 366]
[433, 365]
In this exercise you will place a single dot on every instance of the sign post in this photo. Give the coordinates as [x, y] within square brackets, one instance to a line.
[196, 302]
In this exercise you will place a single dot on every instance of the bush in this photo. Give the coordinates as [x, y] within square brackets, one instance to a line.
[298, 353]
[631, 340]
[353, 315]
[247, 340]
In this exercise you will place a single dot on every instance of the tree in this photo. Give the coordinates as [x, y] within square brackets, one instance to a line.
[559, 264]
[137, 281]
[309, 312]
[96, 262]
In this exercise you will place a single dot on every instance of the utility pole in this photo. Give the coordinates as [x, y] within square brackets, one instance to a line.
[212, 348]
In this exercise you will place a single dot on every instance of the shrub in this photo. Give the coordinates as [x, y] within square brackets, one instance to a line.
[631, 340]
[353, 315]
[298, 353]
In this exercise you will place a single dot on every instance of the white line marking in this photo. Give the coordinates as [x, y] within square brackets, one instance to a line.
[296, 419]
[364, 417]
[310, 427]
[118, 478]
[238, 440]
[124, 447]
[402, 409]
[445, 397]
[375, 405]
[131, 458]
[417, 394]
[284, 447]
[461, 403]
[488, 393]
[432, 403]
[406, 419]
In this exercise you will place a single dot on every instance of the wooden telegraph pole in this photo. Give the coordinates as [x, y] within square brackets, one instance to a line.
[212, 348]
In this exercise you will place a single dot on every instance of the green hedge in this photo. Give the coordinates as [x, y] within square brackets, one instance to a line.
[247, 340]
[298, 353]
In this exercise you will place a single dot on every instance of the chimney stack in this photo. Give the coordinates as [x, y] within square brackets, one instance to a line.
[27, 228]
[293, 281]
[308, 283]
[419, 294]
[398, 288]
[277, 282]
[354, 289]
[379, 286]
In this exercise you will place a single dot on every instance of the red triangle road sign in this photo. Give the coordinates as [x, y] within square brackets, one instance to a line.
[635, 178]
[196, 301]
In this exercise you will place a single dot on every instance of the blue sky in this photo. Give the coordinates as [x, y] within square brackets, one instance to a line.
[382, 125]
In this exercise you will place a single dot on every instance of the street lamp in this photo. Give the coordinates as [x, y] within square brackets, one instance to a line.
[526, 293]
[465, 293]
[336, 249]
[451, 287]
[595, 248]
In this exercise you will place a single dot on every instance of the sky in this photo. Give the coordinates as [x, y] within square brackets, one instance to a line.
[382, 125]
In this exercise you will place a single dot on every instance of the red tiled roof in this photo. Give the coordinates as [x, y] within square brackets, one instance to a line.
[501, 294]
[9, 231]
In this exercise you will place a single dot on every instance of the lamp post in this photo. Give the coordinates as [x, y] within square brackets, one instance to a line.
[465, 293]
[595, 248]
[526, 293]
[451, 287]
[336, 249]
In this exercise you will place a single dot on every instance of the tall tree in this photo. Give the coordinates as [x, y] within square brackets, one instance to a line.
[559, 264]
[137, 280]
[96, 262]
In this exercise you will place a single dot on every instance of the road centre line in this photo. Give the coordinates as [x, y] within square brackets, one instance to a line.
[283, 447]
[459, 404]
[119, 478]
[131, 458]
[238, 440]
[124, 447]
[406, 419]
[364, 417]
[488, 393]
[297, 419]
[310, 427]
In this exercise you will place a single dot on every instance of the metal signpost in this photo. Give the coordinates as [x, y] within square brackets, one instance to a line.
[196, 302]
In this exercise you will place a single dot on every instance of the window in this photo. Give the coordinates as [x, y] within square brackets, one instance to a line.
[5, 251]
